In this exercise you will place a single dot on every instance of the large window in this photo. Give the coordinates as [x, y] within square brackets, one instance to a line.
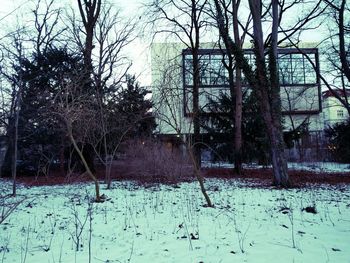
[296, 69]
[300, 88]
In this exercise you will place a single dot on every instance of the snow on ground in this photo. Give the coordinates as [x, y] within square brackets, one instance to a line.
[169, 224]
[319, 167]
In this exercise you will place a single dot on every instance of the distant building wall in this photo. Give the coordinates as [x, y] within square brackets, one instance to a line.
[333, 111]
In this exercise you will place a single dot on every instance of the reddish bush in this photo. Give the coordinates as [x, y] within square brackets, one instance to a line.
[155, 161]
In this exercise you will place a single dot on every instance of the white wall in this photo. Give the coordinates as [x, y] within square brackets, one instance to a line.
[332, 109]
[167, 89]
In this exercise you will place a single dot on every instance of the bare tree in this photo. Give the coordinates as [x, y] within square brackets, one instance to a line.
[77, 110]
[238, 92]
[268, 90]
[268, 94]
[265, 79]
[168, 105]
[230, 12]
[111, 35]
[337, 76]
[47, 28]
[119, 120]
[16, 54]
[89, 13]
[186, 22]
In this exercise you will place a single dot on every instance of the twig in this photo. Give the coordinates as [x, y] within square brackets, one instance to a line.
[131, 251]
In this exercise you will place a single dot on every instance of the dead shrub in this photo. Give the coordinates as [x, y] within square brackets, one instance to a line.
[156, 162]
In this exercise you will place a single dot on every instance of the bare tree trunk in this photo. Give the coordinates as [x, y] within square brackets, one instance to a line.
[17, 108]
[238, 123]
[279, 163]
[86, 166]
[196, 122]
[268, 101]
[89, 17]
[62, 158]
[196, 83]
[342, 48]
[14, 153]
[238, 96]
[281, 177]
[200, 179]
[108, 171]
[270, 105]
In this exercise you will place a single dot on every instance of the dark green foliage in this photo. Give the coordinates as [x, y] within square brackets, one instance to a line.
[39, 129]
[255, 139]
[219, 127]
[40, 137]
[221, 130]
[339, 137]
[133, 107]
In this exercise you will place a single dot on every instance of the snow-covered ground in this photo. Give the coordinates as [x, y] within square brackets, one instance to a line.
[169, 224]
[324, 167]
[321, 167]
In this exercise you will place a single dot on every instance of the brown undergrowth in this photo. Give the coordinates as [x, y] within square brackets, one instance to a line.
[264, 176]
[123, 171]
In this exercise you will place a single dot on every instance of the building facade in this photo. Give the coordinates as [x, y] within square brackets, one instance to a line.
[172, 85]
[333, 111]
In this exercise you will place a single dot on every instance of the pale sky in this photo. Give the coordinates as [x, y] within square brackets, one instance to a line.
[12, 10]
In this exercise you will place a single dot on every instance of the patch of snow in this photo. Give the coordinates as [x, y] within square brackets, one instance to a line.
[208, 164]
[326, 167]
[169, 224]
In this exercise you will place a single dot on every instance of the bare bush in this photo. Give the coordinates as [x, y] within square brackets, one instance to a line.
[157, 162]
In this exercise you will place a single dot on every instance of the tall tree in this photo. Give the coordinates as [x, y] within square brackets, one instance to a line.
[89, 11]
[16, 53]
[238, 92]
[42, 138]
[230, 12]
[168, 105]
[186, 22]
[112, 33]
[264, 81]
[336, 76]
[36, 39]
